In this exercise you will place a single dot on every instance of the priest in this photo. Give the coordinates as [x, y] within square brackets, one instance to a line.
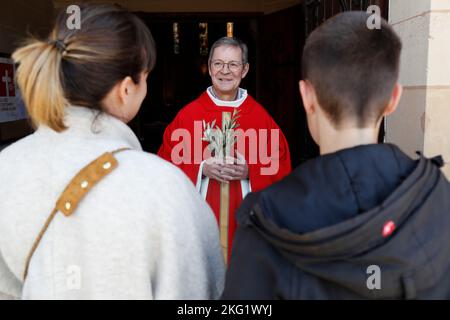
[255, 152]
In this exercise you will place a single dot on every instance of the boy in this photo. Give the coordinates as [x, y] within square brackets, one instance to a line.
[363, 220]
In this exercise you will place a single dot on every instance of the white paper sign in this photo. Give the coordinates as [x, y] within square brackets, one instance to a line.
[11, 104]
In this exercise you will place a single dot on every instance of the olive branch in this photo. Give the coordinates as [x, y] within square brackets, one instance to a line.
[221, 140]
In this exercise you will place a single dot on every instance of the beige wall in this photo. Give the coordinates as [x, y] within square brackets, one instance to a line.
[266, 6]
[437, 128]
[19, 16]
[437, 124]
[404, 126]
[422, 121]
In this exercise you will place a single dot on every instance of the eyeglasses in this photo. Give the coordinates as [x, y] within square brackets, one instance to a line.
[232, 65]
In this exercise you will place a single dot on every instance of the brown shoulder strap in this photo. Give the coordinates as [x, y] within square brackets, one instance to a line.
[75, 191]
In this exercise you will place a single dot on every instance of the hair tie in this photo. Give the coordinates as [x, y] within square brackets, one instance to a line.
[59, 44]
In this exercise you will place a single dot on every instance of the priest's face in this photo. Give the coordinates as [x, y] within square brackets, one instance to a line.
[227, 70]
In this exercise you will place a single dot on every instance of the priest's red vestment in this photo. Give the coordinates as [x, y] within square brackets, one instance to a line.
[182, 145]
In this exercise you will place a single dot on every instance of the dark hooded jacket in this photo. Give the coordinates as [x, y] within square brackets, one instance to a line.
[365, 222]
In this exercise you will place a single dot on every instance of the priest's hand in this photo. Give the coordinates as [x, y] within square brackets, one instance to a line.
[213, 170]
[234, 172]
[225, 171]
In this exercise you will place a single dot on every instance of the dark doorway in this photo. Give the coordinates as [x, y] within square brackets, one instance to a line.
[275, 42]
[179, 78]
[281, 40]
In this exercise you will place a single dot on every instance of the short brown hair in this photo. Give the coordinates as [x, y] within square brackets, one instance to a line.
[352, 68]
[80, 67]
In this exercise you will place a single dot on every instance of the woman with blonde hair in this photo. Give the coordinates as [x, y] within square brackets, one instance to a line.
[84, 212]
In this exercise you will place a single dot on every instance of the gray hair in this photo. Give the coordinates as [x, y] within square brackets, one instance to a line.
[233, 42]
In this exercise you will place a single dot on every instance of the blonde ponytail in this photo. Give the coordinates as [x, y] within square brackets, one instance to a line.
[80, 67]
[39, 77]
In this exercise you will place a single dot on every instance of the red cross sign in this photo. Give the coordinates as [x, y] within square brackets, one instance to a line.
[7, 88]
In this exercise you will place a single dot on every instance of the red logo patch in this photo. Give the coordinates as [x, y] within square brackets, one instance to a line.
[388, 228]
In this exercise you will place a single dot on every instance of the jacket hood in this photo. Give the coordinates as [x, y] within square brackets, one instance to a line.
[337, 215]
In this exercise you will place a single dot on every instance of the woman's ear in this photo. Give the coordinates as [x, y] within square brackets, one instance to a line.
[394, 100]
[307, 93]
[119, 97]
[126, 90]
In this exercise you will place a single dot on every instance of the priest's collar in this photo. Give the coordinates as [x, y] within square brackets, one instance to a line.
[241, 96]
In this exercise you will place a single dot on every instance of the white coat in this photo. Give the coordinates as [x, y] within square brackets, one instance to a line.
[142, 233]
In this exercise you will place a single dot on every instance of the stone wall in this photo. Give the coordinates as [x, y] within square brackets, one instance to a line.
[422, 121]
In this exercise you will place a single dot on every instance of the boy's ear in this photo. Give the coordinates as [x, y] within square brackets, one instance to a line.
[307, 93]
[395, 100]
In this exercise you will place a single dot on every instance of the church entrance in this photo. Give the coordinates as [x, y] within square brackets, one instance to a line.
[183, 40]
[275, 43]
[181, 72]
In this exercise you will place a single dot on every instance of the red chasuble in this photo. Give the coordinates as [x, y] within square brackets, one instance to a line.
[263, 146]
